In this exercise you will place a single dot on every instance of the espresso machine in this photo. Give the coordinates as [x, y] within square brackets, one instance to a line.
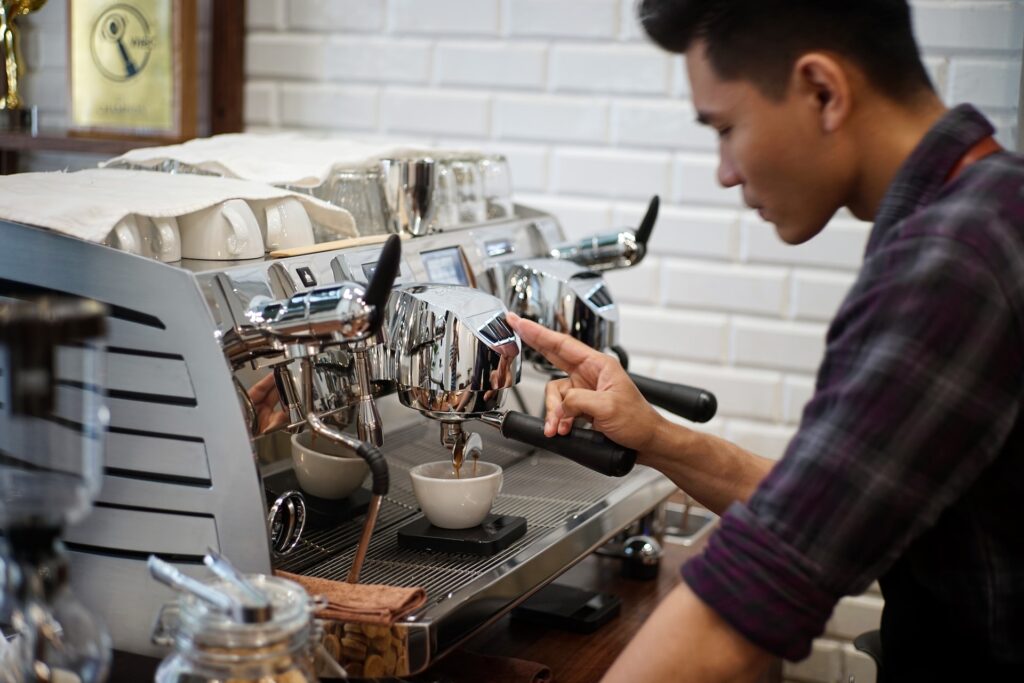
[400, 352]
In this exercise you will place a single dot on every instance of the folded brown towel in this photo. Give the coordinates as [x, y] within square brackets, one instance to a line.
[360, 602]
[462, 667]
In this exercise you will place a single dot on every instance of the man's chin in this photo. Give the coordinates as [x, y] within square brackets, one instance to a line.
[792, 233]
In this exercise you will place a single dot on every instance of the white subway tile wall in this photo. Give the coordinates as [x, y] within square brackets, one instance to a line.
[595, 120]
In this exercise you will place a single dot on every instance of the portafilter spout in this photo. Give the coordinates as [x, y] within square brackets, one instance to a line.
[613, 249]
[454, 355]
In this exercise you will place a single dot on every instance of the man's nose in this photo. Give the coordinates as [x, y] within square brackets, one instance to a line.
[728, 176]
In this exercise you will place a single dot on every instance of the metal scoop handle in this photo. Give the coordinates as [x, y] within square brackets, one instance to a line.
[587, 447]
[220, 566]
[168, 575]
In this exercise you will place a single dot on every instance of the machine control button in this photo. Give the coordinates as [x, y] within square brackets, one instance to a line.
[306, 275]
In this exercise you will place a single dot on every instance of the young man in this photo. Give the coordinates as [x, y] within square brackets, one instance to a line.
[908, 466]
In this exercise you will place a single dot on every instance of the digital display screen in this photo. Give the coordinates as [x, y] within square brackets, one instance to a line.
[368, 270]
[445, 266]
[498, 247]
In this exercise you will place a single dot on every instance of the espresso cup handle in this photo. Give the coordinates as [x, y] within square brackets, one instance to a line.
[127, 239]
[275, 225]
[168, 237]
[240, 237]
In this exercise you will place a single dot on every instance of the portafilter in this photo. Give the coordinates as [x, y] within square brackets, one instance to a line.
[453, 355]
[566, 297]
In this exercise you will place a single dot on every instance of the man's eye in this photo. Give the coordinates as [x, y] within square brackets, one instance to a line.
[723, 132]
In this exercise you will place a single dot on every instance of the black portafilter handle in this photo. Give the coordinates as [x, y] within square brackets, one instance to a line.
[643, 232]
[384, 273]
[378, 467]
[585, 446]
[692, 403]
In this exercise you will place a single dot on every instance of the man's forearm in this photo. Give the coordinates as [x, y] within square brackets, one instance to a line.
[684, 641]
[714, 471]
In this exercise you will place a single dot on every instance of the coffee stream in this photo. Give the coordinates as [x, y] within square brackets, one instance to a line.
[458, 456]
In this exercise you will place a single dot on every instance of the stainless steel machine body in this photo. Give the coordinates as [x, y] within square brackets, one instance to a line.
[182, 473]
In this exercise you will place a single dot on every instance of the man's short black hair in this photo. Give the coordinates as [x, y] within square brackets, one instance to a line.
[760, 40]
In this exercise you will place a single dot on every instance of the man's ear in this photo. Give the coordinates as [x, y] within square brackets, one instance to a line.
[825, 85]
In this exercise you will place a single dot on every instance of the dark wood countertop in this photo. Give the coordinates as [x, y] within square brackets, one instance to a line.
[584, 658]
[578, 658]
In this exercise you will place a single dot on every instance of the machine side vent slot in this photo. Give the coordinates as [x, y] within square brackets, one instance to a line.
[157, 478]
[134, 554]
[158, 435]
[139, 508]
[152, 398]
[23, 290]
[133, 395]
[132, 529]
[144, 353]
[12, 461]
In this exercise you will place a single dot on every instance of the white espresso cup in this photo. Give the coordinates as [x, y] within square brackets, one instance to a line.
[326, 469]
[160, 237]
[223, 232]
[456, 503]
[126, 236]
[286, 224]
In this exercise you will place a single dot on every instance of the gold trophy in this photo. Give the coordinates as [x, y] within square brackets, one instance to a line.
[12, 115]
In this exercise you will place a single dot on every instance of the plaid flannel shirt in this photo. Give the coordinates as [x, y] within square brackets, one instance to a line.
[908, 464]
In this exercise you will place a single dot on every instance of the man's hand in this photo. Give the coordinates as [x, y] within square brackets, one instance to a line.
[712, 470]
[597, 388]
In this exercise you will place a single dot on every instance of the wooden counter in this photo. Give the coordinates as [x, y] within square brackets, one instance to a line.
[578, 658]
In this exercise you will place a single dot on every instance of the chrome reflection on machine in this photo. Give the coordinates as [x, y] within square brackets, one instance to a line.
[195, 464]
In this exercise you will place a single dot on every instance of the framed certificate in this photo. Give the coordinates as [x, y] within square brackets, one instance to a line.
[132, 67]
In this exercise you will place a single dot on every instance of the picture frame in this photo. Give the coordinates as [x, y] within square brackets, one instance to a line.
[132, 68]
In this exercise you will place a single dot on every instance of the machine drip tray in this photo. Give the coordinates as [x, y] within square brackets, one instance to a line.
[321, 513]
[493, 535]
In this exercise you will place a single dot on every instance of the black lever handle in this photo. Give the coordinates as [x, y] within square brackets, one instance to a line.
[585, 446]
[643, 233]
[378, 467]
[693, 403]
[383, 279]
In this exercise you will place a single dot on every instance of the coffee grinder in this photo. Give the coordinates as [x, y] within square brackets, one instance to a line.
[52, 424]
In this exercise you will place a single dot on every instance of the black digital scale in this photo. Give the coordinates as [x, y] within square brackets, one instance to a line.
[494, 534]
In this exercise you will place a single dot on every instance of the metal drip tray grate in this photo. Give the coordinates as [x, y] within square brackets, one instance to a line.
[545, 489]
[569, 511]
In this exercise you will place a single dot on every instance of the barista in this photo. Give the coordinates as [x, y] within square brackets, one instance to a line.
[908, 466]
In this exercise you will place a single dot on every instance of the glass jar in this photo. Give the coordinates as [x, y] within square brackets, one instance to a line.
[211, 646]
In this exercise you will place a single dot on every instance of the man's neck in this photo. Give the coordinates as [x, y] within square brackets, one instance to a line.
[889, 132]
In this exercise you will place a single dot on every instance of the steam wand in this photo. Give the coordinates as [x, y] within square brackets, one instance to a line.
[366, 451]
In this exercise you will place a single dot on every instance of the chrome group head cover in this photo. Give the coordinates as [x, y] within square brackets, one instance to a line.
[322, 316]
[562, 296]
[452, 352]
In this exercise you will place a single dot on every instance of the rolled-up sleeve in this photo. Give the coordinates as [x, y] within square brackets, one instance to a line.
[915, 397]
